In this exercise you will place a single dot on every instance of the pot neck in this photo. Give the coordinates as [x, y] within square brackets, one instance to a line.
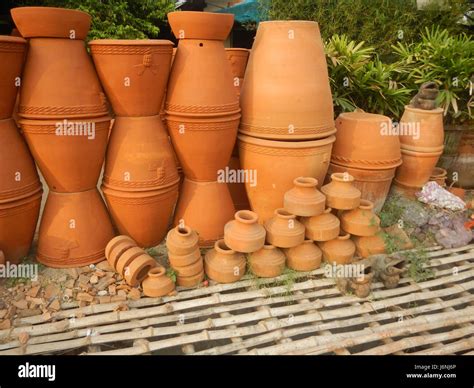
[305, 182]
[342, 177]
[246, 217]
[221, 247]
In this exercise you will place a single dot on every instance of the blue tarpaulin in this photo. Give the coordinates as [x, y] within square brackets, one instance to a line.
[244, 12]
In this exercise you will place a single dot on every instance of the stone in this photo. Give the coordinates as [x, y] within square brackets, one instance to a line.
[118, 298]
[23, 338]
[94, 279]
[70, 283]
[84, 297]
[104, 283]
[73, 273]
[55, 305]
[33, 292]
[3, 313]
[102, 293]
[105, 266]
[20, 304]
[122, 293]
[134, 294]
[29, 313]
[51, 291]
[105, 299]
[5, 324]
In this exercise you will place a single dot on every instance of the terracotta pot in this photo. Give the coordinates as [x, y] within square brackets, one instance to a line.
[144, 216]
[12, 55]
[267, 262]
[134, 73]
[53, 83]
[458, 192]
[139, 156]
[224, 265]
[439, 175]
[138, 269]
[200, 25]
[380, 153]
[190, 281]
[466, 145]
[237, 189]
[338, 251]
[182, 240]
[417, 167]
[374, 185]
[185, 259]
[277, 164]
[429, 123]
[157, 283]
[361, 221]
[18, 221]
[285, 54]
[284, 230]
[361, 286]
[340, 193]
[238, 58]
[206, 207]
[304, 199]
[2, 258]
[323, 227]
[189, 270]
[74, 230]
[50, 22]
[126, 259]
[369, 245]
[304, 257]
[244, 233]
[117, 247]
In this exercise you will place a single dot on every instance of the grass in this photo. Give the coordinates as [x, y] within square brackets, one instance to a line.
[417, 261]
[391, 212]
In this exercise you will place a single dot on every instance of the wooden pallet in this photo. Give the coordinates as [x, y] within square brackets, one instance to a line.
[306, 316]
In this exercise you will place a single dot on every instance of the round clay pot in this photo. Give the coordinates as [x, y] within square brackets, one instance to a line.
[304, 199]
[116, 250]
[50, 22]
[285, 54]
[439, 175]
[224, 265]
[69, 163]
[267, 262]
[340, 193]
[237, 189]
[244, 233]
[323, 227]
[284, 230]
[338, 251]
[360, 221]
[126, 259]
[429, 123]
[138, 269]
[200, 25]
[190, 281]
[74, 230]
[369, 245]
[157, 283]
[304, 257]
[181, 240]
[12, 55]
[238, 58]
[134, 73]
[206, 207]
[277, 164]
[417, 167]
[189, 270]
[184, 260]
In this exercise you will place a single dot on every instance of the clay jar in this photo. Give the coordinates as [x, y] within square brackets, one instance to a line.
[182, 240]
[244, 233]
[338, 251]
[277, 164]
[157, 283]
[439, 175]
[304, 257]
[285, 54]
[361, 221]
[267, 262]
[304, 199]
[238, 58]
[323, 227]
[284, 230]
[224, 265]
[340, 193]
[428, 123]
[369, 245]
[417, 167]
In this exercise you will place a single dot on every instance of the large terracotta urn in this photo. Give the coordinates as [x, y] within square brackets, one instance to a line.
[422, 130]
[238, 59]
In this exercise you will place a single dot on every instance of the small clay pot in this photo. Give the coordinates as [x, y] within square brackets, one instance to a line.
[439, 175]
[340, 193]
[284, 230]
[304, 199]
[244, 233]
[324, 227]
[157, 283]
[224, 265]
[338, 251]
[116, 247]
[138, 269]
[190, 270]
[190, 281]
[182, 240]
[200, 25]
[177, 261]
[304, 257]
[267, 262]
[370, 245]
[361, 286]
[361, 221]
[126, 258]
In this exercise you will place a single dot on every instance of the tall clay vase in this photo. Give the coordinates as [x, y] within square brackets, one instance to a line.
[422, 130]
[304, 199]
[224, 265]
[338, 251]
[244, 233]
[417, 167]
[340, 192]
[361, 221]
[238, 59]
[267, 262]
[284, 230]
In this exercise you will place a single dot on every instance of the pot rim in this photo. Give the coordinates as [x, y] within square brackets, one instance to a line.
[183, 230]
[131, 42]
[157, 272]
[421, 154]
[439, 172]
[282, 213]
[12, 39]
[435, 111]
[307, 22]
[287, 144]
[365, 204]
[305, 181]
[342, 177]
[221, 247]
[238, 49]
[362, 116]
[246, 217]
[343, 236]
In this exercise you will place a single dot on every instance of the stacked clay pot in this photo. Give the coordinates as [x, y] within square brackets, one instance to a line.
[64, 117]
[140, 178]
[338, 251]
[202, 115]
[267, 262]
[223, 264]
[287, 113]
[304, 257]
[20, 188]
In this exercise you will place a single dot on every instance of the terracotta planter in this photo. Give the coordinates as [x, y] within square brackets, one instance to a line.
[338, 251]
[284, 230]
[286, 54]
[117, 247]
[182, 240]
[12, 55]
[304, 257]
[134, 73]
[439, 175]
[361, 221]
[74, 230]
[417, 167]
[429, 123]
[370, 245]
[18, 221]
[206, 207]
[224, 265]
[126, 259]
[238, 58]
[267, 262]
[323, 227]
[157, 283]
[382, 152]
[201, 25]
[138, 269]
[340, 193]
[190, 281]
[237, 189]
[277, 164]
[244, 233]
[304, 199]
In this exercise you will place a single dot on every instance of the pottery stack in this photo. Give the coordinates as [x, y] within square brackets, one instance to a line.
[287, 113]
[64, 117]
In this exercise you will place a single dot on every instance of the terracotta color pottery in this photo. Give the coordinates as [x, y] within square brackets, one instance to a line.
[439, 175]
[157, 283]
[2, 258]
[341, 250]
[236, 187]
[117, 247]
[70, 154]
[369, 245]
[138, 269]
[200, 25]
[361, 285]
[126, 259]
[189, 270]
[341, 193]
[360, 221]
[185, 260]
[206, 207]
[74, 230]
[304, 199]
[267, 262]
[190, 281]
[417, 167]
[364, 140]
[323, 227]
[304, 257]
[284, 230]
[12, 55]
[286, 54]
[238, 58]
[244, 233]
[134, 73]
[458, 192]
[463, 166]
[182, 240]
[427, 124]
[224, 265]
[277, 164]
